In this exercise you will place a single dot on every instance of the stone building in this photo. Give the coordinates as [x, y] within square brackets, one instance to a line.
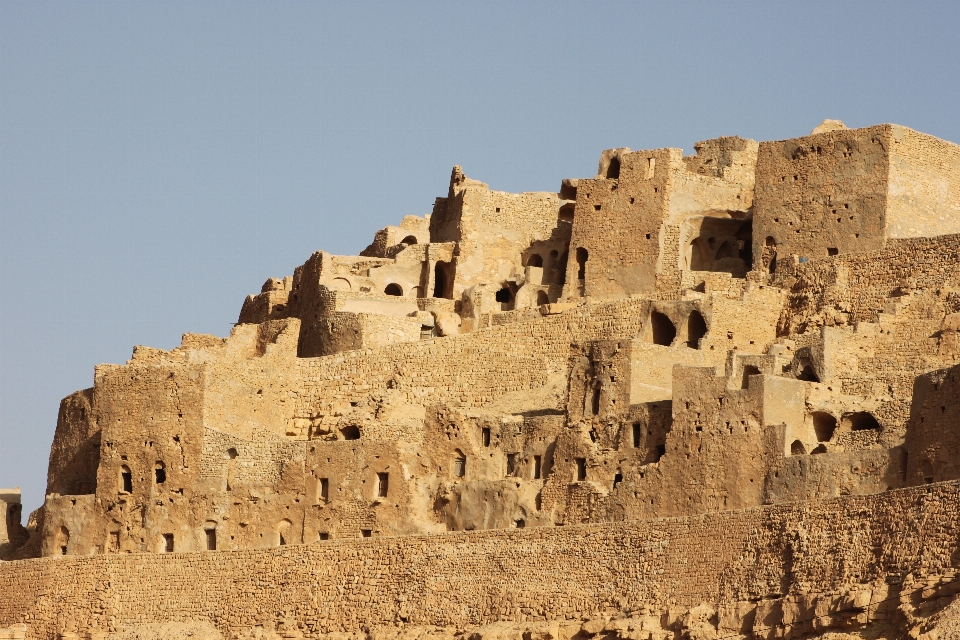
[755, 326]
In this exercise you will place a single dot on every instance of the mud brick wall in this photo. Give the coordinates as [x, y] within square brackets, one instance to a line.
[480, 577]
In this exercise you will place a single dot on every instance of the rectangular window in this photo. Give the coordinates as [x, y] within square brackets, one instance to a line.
[485, 435]
[324, 535]
[168, 542]
[536, 467]
[324, 490]
[366, 533]
[637, 434]
[113, 546]
[211, 539]
[459, 467]
[511, 464]
[383, 483]
[581, 469]
[126, 481]
[651, 167]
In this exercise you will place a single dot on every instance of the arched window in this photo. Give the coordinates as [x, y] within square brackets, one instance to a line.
[442, 283]
[231, 456]
[350, 432]
[535, 261]
[63, 540]
[542, 298]
[796, 449]
[393, 289]
[283, 532]
[824, 425]
[861, 421]
[159, 473]
[582, 256]
[562, 269]
[662, 331]
[210, 535]
[409, 240]
[696, 329]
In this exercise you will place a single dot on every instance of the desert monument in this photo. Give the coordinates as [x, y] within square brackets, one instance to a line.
[697, 397]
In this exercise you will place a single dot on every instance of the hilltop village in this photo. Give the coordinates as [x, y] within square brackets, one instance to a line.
[748, 357]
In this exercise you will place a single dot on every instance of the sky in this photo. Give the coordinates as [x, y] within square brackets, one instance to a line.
[160, 160]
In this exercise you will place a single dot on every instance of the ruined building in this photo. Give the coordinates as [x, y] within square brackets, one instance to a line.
[719, 392]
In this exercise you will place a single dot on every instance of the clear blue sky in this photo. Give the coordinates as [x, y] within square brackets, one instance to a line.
[159, 161]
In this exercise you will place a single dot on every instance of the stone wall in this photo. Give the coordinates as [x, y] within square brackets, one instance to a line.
[474, 578]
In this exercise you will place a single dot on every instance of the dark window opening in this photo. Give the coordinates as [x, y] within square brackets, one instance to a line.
[366, 533]
[63, 540]
[542, 298]
[617, 479]
[126, 480]
[581, 469]
[769, 256]
[595, 404]
[535, 261]
[807, 373]
[824, 425]
[168, 542]
[562, 269]
[350, 432]
[393, 289]
[442, 284]
[661, 451]
[504, 295]
[662, 330]
[862, 421]
[582, 256]
[511, 464]
[832, 251]
[283, 539]
[796, 449]
[637, 435]
[324, 489]
[160, 474]
[613, 169]
[696, 329]
[748, 370]
[324, 535]
[537, 461]
[485, 436]
[520, 523]
[409, 240]
[383, 483]
[211, 539]
[820, 448]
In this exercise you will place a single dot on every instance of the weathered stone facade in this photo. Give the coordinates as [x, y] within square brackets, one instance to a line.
[707, 387]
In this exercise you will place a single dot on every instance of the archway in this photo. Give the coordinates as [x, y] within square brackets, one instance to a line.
[824, 425]
[393, 289]
[696, 329]
[409, 240]
[582, 256]
[662, 330]
[542, 298]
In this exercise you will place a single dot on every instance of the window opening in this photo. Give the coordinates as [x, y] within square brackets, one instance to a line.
[862, 421]
[126, 479]
[696, 329]
[520, 523]
[393, 289]
[582, 256]
[459, 465]
[160, 473]
[562, 269]
[613, 169]
[440, 284]
[662, 330]
[535, 261]
[511, 464]
[536, 467]
[595, 403]
[324, 490]
[324, 535]
[168, 542]
[660, 452]
[350, 432]
[542, 298]
[211, 536]
[824, 425]
[796, 449]
[283, 531]
[581, 469]
[383, 483]
[504, 295]
[366, 533]
[409, 240]
[485, 436]
[637, 434]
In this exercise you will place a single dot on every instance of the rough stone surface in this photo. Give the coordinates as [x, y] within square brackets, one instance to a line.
[710, 397]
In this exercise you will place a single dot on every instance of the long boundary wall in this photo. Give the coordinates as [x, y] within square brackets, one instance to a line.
[480, 577]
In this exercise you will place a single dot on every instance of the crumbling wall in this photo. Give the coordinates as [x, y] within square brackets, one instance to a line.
[75, 452]
[933, 433]
[763, 554]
